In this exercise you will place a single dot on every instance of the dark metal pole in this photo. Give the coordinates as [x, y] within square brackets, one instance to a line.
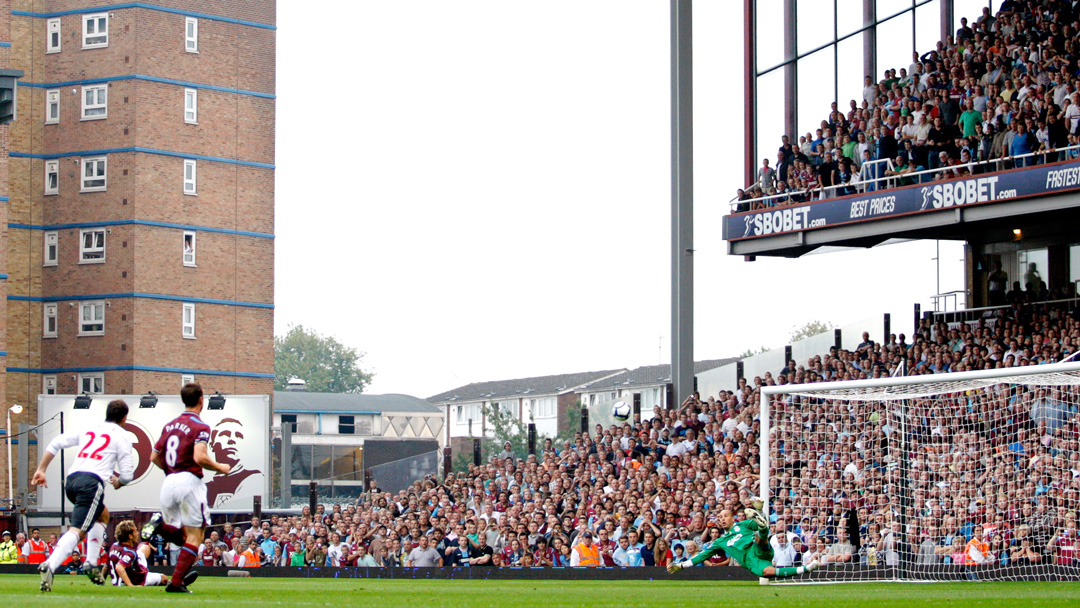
[682, 199]
[585, 420]
[870, 39]
[947, 16]
[286, 465]
[749, 90]
[313, 496]
[791, 73]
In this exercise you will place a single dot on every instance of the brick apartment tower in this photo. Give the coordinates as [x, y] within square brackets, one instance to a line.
[139, 218]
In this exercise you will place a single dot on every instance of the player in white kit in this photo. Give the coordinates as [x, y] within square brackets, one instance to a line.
[104, 456]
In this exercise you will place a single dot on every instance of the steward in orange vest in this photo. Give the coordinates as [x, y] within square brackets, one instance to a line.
[585, 553]
[37, 550]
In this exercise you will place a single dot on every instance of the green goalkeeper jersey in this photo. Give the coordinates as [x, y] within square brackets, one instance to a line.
[739, 538]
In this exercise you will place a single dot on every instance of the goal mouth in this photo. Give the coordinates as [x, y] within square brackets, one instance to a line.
[945, 477]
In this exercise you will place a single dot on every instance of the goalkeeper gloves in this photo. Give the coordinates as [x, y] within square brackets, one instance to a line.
[757, 516]
[674, 567]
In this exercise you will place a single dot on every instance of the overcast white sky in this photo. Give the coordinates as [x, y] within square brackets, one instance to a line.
[480, 190]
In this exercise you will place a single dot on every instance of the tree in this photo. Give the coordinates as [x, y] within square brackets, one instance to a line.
[504, 427]
[572, 424]
[751, 352]
[809, 329]
[326, 365]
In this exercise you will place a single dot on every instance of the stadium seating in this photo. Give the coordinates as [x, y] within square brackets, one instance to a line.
[1003, 89]
[667, 478]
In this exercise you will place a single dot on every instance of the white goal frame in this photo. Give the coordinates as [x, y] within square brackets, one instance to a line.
[768, 392]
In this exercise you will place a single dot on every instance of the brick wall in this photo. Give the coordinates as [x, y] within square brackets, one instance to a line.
[143, 187]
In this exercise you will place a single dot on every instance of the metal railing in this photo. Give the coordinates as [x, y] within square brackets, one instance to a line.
[941, 300]
[886, 182]
[1068, 305]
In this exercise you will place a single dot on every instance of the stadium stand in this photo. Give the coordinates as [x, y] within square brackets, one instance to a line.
[1003, 93]
[658, 483]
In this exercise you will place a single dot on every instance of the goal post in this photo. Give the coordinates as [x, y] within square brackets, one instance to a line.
[954, 476]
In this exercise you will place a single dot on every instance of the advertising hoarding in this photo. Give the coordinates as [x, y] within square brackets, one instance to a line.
[240, 435]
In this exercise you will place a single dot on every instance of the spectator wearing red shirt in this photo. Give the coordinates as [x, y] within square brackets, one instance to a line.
[1065, 545]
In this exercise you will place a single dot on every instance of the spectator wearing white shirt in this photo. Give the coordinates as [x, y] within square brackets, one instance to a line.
[336, 551]
[784, 546]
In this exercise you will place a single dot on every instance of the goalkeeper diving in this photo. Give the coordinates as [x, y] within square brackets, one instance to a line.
[747, 542]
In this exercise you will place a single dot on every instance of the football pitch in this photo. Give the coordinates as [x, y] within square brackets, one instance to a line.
[22, 590]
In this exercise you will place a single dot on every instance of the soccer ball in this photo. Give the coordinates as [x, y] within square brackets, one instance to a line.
[620, 411]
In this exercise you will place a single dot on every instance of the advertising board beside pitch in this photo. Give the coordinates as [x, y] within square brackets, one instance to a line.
[240, 436]
[920, 198]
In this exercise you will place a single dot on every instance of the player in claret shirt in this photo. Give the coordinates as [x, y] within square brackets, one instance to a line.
[103, 449]
[127, 557]
[182, 453]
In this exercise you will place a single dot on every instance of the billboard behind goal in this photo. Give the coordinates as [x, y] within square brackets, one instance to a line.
[240, 435]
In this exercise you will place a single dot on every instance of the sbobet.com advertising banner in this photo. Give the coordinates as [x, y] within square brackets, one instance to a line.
[922, 198]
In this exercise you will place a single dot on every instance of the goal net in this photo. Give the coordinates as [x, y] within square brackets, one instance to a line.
[964, 476]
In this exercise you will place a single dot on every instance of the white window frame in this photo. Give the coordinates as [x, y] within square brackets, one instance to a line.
[99, 38]
[100, 106]
[52, 100]
[52, 36]
[52, 169]
[191, 175]
[187, 321]
[509, 409]
[191, 35]
[191, 106]
[92, 383]
[89, 328]
[101, 169]
[190, 246]
[51, 255]
[48, 384]
[48, 320]
[186, 379]
[94, 253]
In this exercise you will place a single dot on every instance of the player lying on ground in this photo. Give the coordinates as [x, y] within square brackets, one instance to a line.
[128, 560]
[102, 449]
[747, 542]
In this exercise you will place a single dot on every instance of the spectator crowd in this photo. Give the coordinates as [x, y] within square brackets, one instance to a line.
[1002, 88]
[991, 475]
[971, 477]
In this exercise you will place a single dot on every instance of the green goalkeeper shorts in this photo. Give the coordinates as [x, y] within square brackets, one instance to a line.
[756, 560]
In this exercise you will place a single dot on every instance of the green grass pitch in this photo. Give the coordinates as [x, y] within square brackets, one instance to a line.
[22, 590]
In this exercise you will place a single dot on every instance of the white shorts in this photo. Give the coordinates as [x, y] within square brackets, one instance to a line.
[153, 579]
[183, 501]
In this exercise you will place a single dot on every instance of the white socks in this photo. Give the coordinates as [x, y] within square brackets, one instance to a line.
[800, 570]
[64, 547]
[94, 538]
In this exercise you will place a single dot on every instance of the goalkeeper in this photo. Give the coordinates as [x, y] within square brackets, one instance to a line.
[748, 542]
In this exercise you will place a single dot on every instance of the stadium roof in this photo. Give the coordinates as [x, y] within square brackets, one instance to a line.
[652, 374]
[542, 385]
[305, 402]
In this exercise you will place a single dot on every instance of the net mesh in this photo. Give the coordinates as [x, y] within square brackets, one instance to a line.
[948, 480]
